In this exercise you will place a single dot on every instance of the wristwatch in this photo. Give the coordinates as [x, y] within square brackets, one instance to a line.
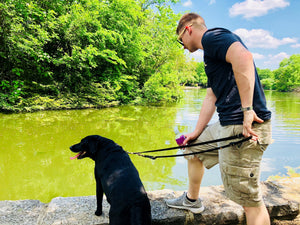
[246, 108]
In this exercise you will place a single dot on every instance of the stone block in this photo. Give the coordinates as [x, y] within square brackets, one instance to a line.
[74, 211]
[21, 212]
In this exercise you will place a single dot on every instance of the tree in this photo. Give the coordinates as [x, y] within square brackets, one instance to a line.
[267, 78]
[201, 75]
[85, 52]
[287, 76]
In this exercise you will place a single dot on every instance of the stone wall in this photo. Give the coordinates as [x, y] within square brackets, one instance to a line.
[281, 197]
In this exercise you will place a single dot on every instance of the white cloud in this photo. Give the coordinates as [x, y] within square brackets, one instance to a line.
[254, 8]
[212, 2]
[296, 45]
[188, 3]
[274, 60]
[259, 38]
[257, 56]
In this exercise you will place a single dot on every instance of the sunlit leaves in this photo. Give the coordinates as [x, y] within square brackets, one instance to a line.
[71, 45]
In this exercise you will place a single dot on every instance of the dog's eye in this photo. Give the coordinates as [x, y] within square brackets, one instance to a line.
[84, 144]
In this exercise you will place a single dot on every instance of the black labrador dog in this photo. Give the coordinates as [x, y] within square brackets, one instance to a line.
[117, 177]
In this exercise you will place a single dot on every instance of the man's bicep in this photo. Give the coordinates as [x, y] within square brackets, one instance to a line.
[236, 52]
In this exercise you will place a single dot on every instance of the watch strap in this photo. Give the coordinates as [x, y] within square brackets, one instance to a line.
[246, 108]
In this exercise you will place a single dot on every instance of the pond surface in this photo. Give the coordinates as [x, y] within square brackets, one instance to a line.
[35, 157]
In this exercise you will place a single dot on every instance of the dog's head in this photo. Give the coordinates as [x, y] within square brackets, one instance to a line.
[91, 145]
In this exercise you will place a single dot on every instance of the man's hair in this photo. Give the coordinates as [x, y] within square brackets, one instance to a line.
[189, 18]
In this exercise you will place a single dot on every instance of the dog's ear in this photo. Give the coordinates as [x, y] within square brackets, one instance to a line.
[96, 144]
[91, 143]
[93, 147]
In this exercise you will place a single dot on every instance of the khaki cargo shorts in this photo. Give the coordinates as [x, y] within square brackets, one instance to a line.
[239, 164]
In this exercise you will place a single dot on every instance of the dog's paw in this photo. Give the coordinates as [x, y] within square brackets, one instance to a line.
[98, 212]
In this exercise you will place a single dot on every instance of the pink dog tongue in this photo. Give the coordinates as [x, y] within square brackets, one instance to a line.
[76, 156]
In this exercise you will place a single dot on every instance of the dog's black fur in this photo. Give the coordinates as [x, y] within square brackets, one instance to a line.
[117, 177]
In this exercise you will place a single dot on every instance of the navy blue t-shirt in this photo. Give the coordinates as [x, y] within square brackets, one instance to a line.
[221, 79]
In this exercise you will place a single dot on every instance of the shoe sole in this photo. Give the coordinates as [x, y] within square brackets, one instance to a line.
[193, 210]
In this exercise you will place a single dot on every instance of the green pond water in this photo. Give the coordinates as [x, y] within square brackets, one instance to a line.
[35, 157]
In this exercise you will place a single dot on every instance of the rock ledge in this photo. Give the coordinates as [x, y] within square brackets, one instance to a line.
[282, 199]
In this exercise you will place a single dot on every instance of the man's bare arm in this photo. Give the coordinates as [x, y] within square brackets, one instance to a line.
[207, 110]
[243, 68]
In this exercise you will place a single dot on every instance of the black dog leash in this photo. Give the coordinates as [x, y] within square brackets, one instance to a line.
[191, 145]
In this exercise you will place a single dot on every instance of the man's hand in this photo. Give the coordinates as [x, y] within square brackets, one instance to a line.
[190, 137]
[250, 117]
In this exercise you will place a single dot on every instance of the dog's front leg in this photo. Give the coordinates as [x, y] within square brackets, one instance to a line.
[99, 195]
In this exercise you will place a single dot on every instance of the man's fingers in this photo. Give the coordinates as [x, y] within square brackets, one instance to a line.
[257, 119]
[186, 140]
[249, 118]
[250, 132]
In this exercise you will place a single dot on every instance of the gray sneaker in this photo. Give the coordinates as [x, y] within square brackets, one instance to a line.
[183, 203]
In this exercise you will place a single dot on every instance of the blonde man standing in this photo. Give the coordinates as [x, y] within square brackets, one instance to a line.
[235, 91]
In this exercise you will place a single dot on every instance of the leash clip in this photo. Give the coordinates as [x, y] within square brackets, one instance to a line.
[149, 156]
[145, 156]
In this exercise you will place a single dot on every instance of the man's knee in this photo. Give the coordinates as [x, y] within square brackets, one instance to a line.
[195, 166]
[195, 161]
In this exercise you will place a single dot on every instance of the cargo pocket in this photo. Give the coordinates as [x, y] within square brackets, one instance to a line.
[246, 145]
[264, 132]
[241, 182]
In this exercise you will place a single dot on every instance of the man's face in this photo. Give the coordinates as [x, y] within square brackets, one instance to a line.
[185, 38]
[181, 34]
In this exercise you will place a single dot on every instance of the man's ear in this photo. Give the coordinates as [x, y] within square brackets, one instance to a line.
[189, 29]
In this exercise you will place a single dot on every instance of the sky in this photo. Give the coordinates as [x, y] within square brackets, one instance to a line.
[269, 28]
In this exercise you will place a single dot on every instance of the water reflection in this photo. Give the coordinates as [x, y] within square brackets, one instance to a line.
[286, 133]
[35, 149]
[35, 152]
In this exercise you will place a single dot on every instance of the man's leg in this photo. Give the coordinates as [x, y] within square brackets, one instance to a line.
[195, 173]
[240, 171]
[257, 215]
[190, 200]
[197, 164]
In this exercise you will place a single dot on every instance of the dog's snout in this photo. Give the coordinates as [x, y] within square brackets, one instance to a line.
[76, 148]
[73, 148]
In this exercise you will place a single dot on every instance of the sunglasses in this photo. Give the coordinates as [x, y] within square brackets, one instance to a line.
[181, 33]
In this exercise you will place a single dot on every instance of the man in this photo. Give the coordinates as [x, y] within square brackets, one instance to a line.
[235, 91]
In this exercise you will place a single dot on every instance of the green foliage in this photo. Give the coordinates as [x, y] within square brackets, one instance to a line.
[201, 76]
[191, 73]
[268, 83]
[10, 91]
[163, 87]
[62, 48]
[264, 73]
[287, 76]
[267, 78]
[158, 41]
